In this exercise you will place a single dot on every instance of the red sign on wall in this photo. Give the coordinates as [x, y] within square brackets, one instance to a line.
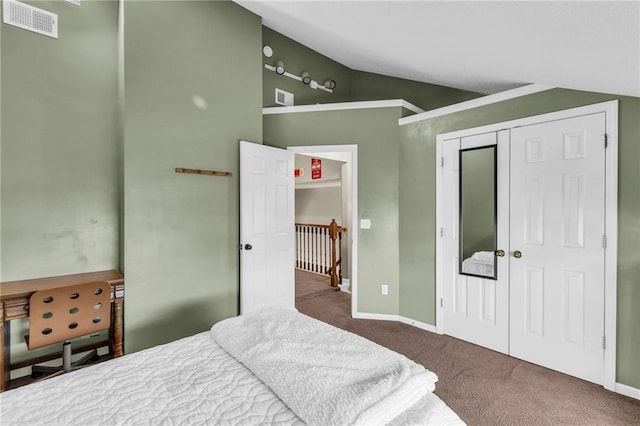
[316, 168]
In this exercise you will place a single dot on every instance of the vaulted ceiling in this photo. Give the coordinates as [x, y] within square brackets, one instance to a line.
[482, 46]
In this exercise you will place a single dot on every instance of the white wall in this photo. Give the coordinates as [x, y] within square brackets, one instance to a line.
[319, 205]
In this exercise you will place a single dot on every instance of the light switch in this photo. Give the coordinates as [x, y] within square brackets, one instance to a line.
[365, 223]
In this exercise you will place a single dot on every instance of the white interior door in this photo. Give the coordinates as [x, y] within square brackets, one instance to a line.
[267, 229]
[557, 254]
[476, 308]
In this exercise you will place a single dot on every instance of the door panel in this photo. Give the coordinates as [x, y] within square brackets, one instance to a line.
[266, 227]
[573, 210]
[557, 224]
[534, 299]
[533, 226]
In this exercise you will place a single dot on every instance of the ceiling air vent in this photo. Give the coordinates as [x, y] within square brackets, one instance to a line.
[284, 98]
[30, 18]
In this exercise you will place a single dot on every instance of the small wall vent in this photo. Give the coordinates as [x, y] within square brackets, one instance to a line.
[30, 18]
[284, 98]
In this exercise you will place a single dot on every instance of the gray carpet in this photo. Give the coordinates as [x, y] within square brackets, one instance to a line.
[484, 387]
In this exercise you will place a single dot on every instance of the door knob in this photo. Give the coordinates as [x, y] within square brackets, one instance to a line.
[248, 246]
[499, 253]
[517, 254]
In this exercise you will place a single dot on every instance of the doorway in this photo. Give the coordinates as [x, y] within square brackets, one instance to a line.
[536, 289]
[321, 210]
[348, 154]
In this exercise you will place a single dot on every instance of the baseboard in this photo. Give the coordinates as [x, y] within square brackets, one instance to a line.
[397, 318]
[344, 286]
[377, 317]
[627, 391]
[418, 324]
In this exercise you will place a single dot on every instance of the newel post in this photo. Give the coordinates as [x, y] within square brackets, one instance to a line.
[333, 234]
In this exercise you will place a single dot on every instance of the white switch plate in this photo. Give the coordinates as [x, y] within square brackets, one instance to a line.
[385, 289]
[365, 223]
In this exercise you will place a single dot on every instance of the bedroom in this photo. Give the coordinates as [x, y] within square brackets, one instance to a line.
[88, 183]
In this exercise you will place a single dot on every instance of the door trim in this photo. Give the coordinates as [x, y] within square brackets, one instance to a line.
[353, 150]
[610, 109]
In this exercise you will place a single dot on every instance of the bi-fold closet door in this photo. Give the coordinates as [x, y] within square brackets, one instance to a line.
[523, 250]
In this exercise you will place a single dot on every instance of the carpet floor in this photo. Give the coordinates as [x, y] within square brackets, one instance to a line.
[484, 387]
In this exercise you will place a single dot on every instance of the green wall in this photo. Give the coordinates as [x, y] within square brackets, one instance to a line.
[93, 129]
[59, 162]
[369, 86]
[375, 131]
[417, 208]
[181, 231]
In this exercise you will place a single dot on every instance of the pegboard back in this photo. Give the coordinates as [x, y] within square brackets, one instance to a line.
[65, 313]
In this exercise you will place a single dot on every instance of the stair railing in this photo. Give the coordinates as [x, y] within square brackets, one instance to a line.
[318, 249]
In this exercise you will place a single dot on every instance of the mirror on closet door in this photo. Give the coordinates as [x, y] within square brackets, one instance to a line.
[478, 211]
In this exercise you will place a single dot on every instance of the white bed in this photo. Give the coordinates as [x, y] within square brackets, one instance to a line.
[247, 370]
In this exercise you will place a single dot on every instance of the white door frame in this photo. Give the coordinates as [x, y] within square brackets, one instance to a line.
[353, 230]
[611, 215]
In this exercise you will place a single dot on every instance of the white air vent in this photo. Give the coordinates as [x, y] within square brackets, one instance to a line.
[30, 18]
[284, 98]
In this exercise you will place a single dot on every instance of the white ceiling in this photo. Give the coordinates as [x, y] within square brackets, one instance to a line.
[481, 46]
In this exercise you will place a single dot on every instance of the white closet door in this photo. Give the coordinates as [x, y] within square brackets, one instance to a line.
[475, 309]
[557, 225]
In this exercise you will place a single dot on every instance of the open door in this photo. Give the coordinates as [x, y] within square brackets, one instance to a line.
[267, 229]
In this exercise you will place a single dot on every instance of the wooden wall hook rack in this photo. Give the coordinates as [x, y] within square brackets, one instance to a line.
[202, 172]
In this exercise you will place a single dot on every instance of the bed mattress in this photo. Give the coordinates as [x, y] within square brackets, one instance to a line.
[191, 381]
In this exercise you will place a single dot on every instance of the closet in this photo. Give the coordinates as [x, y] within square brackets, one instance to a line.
[523, 241]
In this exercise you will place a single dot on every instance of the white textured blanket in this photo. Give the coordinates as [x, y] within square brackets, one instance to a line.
[325, 375]
[189, 382]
